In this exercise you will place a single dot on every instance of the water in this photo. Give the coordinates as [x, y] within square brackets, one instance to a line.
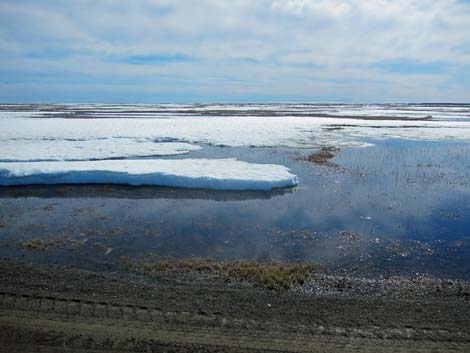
[400, 207]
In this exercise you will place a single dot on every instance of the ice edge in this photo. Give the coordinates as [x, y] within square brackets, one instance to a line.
[217, 174]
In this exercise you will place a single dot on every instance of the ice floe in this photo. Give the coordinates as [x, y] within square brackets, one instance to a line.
[218, 174]
[296, 132]
[402, 111]
[14, 150]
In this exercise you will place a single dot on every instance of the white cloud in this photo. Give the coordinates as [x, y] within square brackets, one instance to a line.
[290, 46]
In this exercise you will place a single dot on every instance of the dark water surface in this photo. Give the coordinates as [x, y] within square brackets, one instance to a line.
[400, 207]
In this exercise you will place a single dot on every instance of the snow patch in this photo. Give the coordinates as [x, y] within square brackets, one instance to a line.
[68, 150]
[219, 174]
[255, 131]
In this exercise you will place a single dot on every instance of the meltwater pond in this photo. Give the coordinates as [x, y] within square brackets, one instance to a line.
[399, 207]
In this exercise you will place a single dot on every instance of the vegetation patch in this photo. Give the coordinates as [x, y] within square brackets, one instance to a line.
[322, 157]
[272, 276]
[47, 244]
[36, 244]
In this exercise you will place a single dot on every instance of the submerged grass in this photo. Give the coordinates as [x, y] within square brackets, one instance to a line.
[272, 276]
[64, 242]
[36, 244]
[322, 157]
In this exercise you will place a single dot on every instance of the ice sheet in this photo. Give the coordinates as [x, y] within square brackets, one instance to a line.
[402, 111]
[220, 174]
[103, 132]
[256, 131]
[68, 150]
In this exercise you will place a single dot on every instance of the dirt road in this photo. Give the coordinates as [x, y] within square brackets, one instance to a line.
[50, 309]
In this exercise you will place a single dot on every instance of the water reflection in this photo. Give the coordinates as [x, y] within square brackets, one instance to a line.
[135, 193]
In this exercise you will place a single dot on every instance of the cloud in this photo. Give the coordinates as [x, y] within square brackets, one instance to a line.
[354, 50]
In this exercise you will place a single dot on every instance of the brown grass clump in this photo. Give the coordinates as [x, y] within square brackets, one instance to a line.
[272, 276]
[63, 242]
[321, 157]
[36, 244]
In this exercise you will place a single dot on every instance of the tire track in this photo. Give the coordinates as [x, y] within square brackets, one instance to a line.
[18, 310]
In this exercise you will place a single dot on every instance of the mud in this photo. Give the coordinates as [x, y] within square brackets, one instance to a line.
[57, 309]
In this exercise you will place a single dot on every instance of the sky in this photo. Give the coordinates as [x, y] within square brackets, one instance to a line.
[183, 51]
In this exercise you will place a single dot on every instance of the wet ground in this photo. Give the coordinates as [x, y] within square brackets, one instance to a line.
[59, 309]
[397, 208]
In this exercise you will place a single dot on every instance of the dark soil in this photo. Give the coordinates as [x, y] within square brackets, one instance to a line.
[55, 309]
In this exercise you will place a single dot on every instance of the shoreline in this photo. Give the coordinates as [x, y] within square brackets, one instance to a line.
[49, 308]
